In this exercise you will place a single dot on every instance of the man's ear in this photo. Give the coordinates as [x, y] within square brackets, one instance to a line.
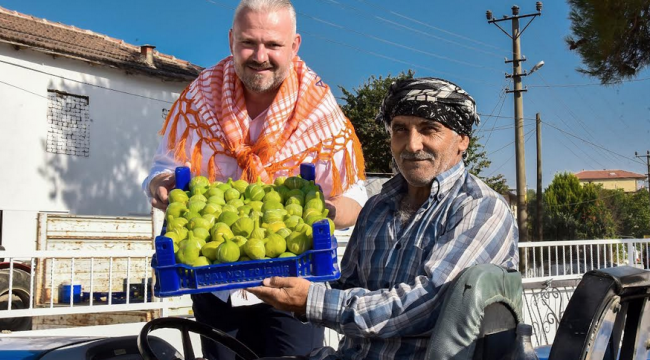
[295, 45]
[463, 144]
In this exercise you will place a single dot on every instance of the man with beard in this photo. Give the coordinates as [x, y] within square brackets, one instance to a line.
[261, 113]
[430, 221]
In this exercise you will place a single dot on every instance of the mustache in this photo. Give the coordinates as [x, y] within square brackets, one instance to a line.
[420, 155]
[259, 66]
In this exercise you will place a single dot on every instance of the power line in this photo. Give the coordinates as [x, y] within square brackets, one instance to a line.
[394, 59]
[591, 143]
[582, 202]
[19, 88]
[529, 134]
[376, 38]
[84, 83]
[587, 84]
[510, 143]
[430, 26]
[363, 13]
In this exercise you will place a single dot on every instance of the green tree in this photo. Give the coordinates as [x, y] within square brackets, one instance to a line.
[361, 104]
[573, 211]
[630, 212]
[611, 36]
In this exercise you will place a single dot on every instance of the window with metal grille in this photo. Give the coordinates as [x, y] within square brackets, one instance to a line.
[69, 124]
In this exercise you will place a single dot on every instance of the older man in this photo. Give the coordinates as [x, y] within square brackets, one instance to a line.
[429, 222]
[261, 113]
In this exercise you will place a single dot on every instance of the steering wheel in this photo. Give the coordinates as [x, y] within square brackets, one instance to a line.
[185, 327]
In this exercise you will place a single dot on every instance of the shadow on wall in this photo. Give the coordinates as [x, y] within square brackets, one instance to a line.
[105, 163]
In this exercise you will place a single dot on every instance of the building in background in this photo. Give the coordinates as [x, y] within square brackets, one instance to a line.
[80, 112]
[612, 179]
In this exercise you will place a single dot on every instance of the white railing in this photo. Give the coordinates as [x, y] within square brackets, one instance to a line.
[561, 260]
[77, 282]
[548, 269]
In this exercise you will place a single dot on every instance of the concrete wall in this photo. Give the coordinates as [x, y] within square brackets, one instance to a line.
[123, 139]
[628, 185]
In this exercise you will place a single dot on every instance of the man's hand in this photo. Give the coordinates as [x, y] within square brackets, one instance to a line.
[343, 211]
[284, 293]
[160, 186]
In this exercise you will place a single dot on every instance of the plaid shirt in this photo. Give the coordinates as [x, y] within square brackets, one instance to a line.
[393, 278]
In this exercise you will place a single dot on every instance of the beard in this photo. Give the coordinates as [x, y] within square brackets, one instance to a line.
[260, 83]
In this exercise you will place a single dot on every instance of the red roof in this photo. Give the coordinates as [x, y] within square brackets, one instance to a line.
[25, 31]
[608, 175]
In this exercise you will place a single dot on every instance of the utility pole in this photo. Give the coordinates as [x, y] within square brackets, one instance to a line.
[517, 59]
[647, 158]
[540, 230]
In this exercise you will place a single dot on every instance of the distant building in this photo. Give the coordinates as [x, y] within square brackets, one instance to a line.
[612, 179]
[80, 116]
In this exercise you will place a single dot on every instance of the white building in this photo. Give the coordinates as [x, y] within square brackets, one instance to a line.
[79, 116]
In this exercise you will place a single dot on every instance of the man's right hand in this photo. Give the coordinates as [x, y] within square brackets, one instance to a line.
[160, 186]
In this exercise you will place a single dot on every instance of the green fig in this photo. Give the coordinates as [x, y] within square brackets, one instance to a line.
[228, 252]
[195, 205]
[292, 221]
[201, 233]
[197, 222]
[211, 208]
[271, 205]
[279, 181]
[255, 249]
[176, 209]
[219, 200]
[294, 182]
[274, 215]
[178, 195]
[275, 245]
[240, 185]
[284, 232]
[173, 235]
[243, 227]
[295, 195]
[254, 192]
[201, 261]
[244, 258]
[209, 250]
[214, 191]
[240, 241]
[188, 251]
[231, 194]
[298, 242]
[199, 185]
[198, 197]
[272, 196]
[294, 209]
[228, 217]
[256, 205]
[287, 254]
[236, 203]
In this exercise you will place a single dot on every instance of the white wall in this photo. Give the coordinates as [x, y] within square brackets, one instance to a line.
[123, 139]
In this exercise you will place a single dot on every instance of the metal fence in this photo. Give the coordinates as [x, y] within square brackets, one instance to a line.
[119, 280]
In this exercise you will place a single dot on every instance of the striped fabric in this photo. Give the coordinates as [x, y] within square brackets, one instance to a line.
[393, 279]
[210, 120]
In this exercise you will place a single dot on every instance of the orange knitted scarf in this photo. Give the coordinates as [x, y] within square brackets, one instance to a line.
[303, 120]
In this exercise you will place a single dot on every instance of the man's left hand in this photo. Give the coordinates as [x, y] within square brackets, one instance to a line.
[284, 293]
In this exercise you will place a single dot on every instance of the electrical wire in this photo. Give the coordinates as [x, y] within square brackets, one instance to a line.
[83, 82]
[586, 84]
[405, 27]
[395, 59]
[19, 88]
[430, 26]
[593, 144]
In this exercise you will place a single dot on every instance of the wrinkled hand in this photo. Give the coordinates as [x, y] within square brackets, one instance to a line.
[284, 293]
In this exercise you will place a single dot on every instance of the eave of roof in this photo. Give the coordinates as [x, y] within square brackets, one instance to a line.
[25, 31]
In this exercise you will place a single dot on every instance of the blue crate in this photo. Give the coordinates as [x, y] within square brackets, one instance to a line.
[64, 294]
[172, 279]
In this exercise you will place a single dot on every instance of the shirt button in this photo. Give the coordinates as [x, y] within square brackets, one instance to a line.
[398, 246]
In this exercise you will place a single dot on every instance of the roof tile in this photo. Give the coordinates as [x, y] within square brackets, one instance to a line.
[66, 40]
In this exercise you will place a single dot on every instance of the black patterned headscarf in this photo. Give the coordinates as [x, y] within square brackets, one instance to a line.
[430, 98]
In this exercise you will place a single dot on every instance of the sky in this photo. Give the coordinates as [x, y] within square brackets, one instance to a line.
[585, 126]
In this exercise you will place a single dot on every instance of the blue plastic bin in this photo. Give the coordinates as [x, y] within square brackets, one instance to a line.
[172, 279]
[64, 294]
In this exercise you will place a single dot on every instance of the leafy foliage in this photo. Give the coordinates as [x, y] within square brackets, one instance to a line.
[611, 36]
[573, 211]
[361, 105]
